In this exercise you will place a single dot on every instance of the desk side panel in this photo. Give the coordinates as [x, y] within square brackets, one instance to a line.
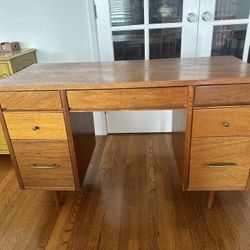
[82, 125]
[181, 138]
[81, 138]
[178, 139]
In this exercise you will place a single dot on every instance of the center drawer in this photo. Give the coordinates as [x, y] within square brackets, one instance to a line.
[128, 99]
[44, 164]
[35, 125]
[221, 122]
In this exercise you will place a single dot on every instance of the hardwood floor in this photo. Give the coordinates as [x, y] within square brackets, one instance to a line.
[131, 200]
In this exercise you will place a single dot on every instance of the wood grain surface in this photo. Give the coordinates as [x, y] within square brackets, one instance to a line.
[181, 138]
[130, 74]
[84, 140]
[50, 125]
[131, 199]
[72, 149]
[128, 99]
[238, 94]
[3, 145]
[187, 148]
[44, 153]
[219, 163]
[221, 122]
[178, 144]
[248, 182]
[81, 139]
[27, 217]
[31, 100]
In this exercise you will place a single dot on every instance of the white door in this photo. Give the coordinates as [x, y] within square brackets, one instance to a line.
[224, 28]
[143, 30]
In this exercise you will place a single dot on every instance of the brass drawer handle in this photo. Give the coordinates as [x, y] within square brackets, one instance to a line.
[222, 165]
[226, 124]
[35, 128]
[44, 166]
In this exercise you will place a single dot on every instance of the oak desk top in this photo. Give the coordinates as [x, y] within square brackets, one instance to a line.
[130, 74]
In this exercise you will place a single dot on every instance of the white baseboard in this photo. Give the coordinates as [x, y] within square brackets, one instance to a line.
[100, 123]
[133, 122]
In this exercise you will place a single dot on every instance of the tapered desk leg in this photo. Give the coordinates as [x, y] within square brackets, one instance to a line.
[211, 196]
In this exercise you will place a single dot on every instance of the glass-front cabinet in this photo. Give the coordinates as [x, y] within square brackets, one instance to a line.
[153, 29]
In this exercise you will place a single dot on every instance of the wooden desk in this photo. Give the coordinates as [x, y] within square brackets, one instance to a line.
[52, 146]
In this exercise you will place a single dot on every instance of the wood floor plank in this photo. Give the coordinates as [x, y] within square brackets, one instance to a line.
[131, 199]
[70, 212]
[26, 217]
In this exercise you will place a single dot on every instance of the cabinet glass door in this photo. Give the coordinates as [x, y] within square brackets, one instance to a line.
[152, 29]
[224, 28]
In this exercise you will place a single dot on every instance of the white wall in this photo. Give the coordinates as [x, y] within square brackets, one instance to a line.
[61, 30]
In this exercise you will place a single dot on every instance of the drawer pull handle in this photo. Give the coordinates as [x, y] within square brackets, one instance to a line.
[44, 166]
[226, 124]
[35, 128]
[222, 165]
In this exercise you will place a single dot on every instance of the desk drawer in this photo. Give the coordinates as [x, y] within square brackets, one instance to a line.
[220, 163]
[44, 164]
[222, 95]
[221, 122]
[35, 125]
[127, 99]
[37, 100]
